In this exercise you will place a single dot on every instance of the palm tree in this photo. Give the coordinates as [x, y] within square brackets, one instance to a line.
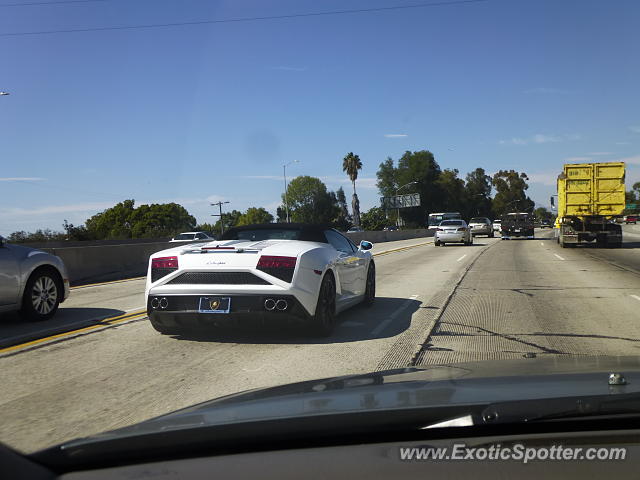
[350, 165]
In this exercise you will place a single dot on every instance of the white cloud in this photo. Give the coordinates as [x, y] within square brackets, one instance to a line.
[541, 138]
[635, 128]
[543, 178]
[577, 159]
[600, 153]
[546, 90]
[51, 209]
[21, 179]
[395, 135]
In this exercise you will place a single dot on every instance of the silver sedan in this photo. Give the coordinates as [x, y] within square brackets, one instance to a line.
[32, 282]
[452, 231]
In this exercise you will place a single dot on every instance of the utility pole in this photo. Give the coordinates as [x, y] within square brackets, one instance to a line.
[284, 174]
[219, 204]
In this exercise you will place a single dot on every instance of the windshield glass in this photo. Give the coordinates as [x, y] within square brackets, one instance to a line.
[262, 234]
[476, 162]
[184, 236]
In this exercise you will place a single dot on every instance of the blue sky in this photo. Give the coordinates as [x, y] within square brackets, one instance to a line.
[199, 113]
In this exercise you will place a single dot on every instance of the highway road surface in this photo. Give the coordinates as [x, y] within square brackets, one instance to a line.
[496, 299]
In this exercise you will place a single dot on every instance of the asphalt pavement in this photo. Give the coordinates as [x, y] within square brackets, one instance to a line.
[496, 299]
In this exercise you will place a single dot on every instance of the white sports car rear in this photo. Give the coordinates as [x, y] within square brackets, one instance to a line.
[293, 272]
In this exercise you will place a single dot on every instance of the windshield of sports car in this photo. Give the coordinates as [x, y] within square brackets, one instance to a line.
[263, 234]
[205, 197]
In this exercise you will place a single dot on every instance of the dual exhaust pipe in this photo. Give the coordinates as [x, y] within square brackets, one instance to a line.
[159, 303]
[270, 304]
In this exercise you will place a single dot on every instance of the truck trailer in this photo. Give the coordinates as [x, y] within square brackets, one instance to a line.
[590, 197]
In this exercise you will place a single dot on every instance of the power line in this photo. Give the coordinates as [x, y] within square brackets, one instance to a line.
[244, 19]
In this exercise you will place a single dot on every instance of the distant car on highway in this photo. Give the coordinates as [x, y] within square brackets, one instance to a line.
[390, 228]
[481, 226]
[546, 224]
[192, 237]
[497, 225]
[631, 219]
[452, 231]
[32, 282]
[294, 272]
[355, 229]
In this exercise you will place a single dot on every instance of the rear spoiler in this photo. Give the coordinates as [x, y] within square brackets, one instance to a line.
[220, 249]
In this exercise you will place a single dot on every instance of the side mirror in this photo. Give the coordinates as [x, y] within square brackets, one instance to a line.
[364, 245]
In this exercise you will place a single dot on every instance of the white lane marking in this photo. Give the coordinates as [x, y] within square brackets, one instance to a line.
[558, 256]
[636, 297]
[350, 323]
[461, 257]
[386, 323]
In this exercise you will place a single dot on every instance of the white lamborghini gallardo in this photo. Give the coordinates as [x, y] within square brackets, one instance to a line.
[296, 272]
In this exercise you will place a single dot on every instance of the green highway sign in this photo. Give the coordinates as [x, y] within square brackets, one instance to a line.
[631, 206]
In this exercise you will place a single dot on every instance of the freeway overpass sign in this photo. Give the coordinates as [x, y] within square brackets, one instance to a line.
[401, 201]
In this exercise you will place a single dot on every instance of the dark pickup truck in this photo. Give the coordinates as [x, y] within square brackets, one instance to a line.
[516, 225]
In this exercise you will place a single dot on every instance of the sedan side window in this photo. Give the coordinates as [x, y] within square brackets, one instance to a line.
[339, 242]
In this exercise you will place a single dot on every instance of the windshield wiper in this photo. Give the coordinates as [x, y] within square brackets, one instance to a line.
[560, 408]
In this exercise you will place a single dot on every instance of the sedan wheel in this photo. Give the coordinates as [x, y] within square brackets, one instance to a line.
[324, 319]
[41, 296]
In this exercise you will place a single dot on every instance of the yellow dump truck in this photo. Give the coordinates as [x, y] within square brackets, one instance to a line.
[590, 196]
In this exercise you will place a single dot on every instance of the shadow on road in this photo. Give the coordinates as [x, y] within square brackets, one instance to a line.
[14, 329]
[355, 324]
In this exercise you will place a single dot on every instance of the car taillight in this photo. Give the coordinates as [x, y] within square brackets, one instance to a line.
[279, 267]
[462, 229]
[162, 266]
[439, 229]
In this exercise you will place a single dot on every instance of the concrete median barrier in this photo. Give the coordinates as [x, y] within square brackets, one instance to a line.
[97, 263]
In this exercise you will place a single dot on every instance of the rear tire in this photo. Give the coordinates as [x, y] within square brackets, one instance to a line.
[437, 243]
[370, 289]
[323, 322]
[42, 295]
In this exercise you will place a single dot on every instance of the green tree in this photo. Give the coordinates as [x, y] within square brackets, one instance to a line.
[160, 220]
[209, 228]
[351, 164]
[309, 201]
[510, 193]
[229, 219]
[374, 219]
[255, 215]
[453, 189]
[420, 167]
[114, 222]
[543, 214]
[146, 221]
[343, 222]
[477, 194]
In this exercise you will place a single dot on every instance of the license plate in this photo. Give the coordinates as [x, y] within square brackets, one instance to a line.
[215, 305]
[517, 230]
